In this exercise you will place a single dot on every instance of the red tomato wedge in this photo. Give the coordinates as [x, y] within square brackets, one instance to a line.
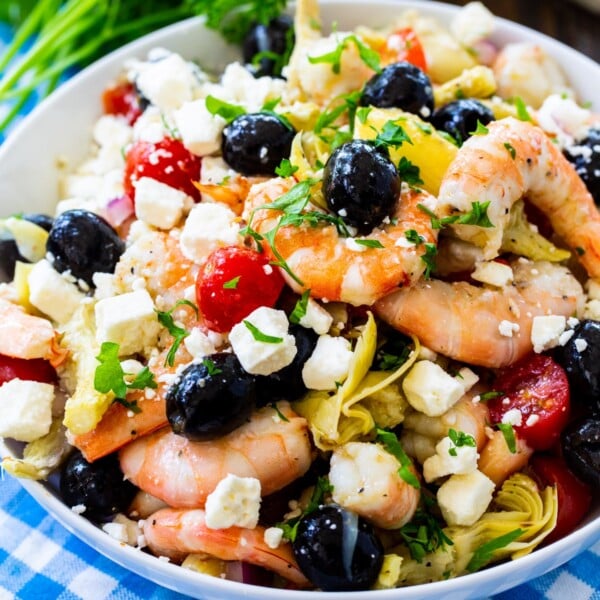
[121, 99]
[35, 369]
[538, 388]
[233, 282]
[574, 496]
[167, 161]
[407, 46]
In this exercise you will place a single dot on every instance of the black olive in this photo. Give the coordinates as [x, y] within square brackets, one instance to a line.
[585, 156]
[400, 85]
[277, 37]
[459, 118]
[337, 550]
[287, 383]
[99, 486]
[255, 144]
[9, 253]
[580, 357]
[84, 243]
[361, 184]
[211, 398]
[581, 449]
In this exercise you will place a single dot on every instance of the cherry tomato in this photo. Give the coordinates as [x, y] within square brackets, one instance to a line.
[121, 99]
[574, 496]
[408, 47]
[166, 161]
[537, 387]
[233, 282]
[35, 369]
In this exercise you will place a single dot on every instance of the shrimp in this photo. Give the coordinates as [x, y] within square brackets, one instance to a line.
[515, 159]
[183, 473]
[481, 326]
[27, 336]
[365, 480]
[176, 533]
[497, 462]
[340, 269]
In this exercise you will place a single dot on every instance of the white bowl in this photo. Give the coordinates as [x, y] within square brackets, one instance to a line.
[60, 129]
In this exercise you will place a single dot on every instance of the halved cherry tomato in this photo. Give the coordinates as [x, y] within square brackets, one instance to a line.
[233, 282]
[407, 46]
[574, 496]
[537, 387]
[121, 99]
[35, 369]
[167, 161]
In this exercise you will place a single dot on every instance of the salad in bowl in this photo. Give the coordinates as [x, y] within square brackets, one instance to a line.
[324, 319]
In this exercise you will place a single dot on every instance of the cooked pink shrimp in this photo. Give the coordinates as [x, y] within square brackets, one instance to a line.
[498, 462]
[176, 533]
[26, 336]
[183, 473]
[516, 159]
[483, 326]
[365, 480]
[340, 269]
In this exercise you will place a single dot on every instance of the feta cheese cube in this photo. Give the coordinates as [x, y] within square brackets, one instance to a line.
[450, 459]
[263, 357]
[111, 130]
[128, 320]
[215, 170]
[200, 130]
[208, 227]
[273, 537]
[467, 378]
[51, 293]
[472, 23]
[26, 408]
[493, 273]
[465, 497]
[158, 204]
[150, 126]
[235, 502]
[168, 82]
[430, 390]
[329, 363]
[546, 331]
[316, 318]
[198, 344]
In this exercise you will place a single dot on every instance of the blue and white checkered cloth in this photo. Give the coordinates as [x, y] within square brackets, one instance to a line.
[40, 559]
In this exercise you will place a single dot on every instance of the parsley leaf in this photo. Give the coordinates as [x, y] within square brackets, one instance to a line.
[481, 129]
[178, 333]
[412, 235]
[270, 104]
[109, 375]
[509, 436]
[132, 406]
[485, 552]
[368, 243]
[409, 172]
[300, 308]
[476, 216]
[210, 367]
[511, 150]
[259, 336]
[460, 438]
[285, 168]
[392, 134]
[429, 259]
[392, 445]
[522, 112]
[367, 55]
[336, 108]
[424, 535]
[144, 379]
[232, 283]
[229, 112]
[279, 413]
[363, 113]
[489, 395]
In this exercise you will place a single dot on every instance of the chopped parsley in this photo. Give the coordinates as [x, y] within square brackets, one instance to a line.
[424, 535]
[363, 113]
[345, 103]
[259, 336]
[334, 58]
[300, 308]
[522, 112]
[368, 243]
[511, 150]
[179, 334]
[279, 413]
[429, 259]
[489, 395]
[484, 554]
[476, 216]
[270, 104]
[481, 129]
[412, 235]
[509, 436]
[460, 438]
[409, 172]
[210, 367]
[392, 134]
[223, 109]
[285, 168]
[390, 442]
[232, 283]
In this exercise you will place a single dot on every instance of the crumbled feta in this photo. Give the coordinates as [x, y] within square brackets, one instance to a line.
[467, 378]
[493, 273]
[513, 417]
[51, 293]
[532, 420]
[263, 357]
[546, 331]
[110, 130]
[580, 345]
[128, 320]
[208, 226]
[564, 118]
[273, 537]
[158, 204]
[507, 328]
[167, 83]
[235, 502]
[200, 130]
[26, 409]
[215, 171]
[150, 126]
[472, 23]
[352, 244]
[465, 497]
[198, 344]
[316, 318]
[105, 285]
[117, 531]
[430, 390]
[450, 459]
[329, 363]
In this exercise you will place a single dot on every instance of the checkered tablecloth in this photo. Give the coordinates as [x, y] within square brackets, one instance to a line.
[39, 559]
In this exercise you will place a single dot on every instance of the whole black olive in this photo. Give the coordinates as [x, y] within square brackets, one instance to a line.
[400, 85]
[361, 184]
[337, 550]
[255, 144]
[585, 156]
[83, 243]
[580, 357]
[459, 118]
[287, 383]
[277, 37]
[211, 398]
[99, 486]
[581, 449]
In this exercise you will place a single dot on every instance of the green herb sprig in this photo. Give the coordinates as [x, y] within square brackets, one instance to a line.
[165, 318]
